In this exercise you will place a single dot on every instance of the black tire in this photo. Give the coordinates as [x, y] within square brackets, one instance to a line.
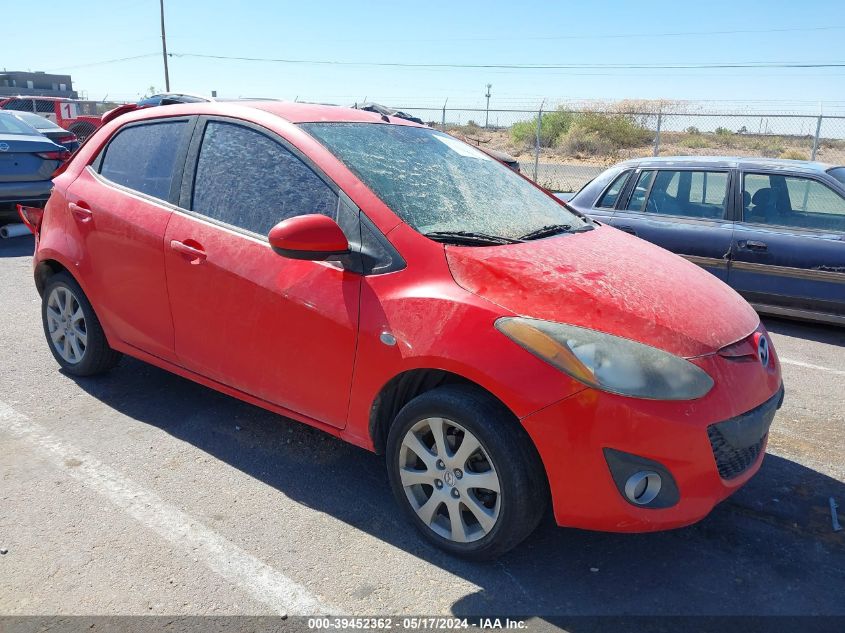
[96, 357]
[524, 490]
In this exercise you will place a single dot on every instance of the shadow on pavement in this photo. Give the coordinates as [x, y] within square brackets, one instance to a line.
[819, 332]
[769, 549]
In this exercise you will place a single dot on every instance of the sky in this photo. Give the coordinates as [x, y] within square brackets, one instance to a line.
[461, 33]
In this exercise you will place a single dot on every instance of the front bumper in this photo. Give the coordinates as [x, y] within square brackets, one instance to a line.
[572, 437]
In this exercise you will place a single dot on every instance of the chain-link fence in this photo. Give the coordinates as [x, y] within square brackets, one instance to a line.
[563, 149]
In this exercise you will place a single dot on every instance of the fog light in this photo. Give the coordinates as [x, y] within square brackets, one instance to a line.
[643, 487]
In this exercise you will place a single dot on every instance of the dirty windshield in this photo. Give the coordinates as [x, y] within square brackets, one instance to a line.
[440, 185]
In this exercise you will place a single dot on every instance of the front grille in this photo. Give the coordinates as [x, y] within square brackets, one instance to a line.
[730, 461]
[738, 442]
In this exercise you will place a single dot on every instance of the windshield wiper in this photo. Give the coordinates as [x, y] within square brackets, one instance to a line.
[470, 237]
[554, 229]
[546, 231]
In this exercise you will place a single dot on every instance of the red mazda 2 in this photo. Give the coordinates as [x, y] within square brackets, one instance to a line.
[391, 285]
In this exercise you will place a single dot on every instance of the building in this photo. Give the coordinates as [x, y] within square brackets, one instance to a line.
[37, 84]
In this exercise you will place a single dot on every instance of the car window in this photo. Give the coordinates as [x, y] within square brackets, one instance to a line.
[246, 179]
[36, 121]
[694, 194]
[143, 157]
[11, 124]
[611, 195]
[638, 196]
[838, 173]
[22, 105]
[48, 107]
[792, 201]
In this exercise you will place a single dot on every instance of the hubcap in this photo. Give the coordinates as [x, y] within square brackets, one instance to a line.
[66, 325]
[449, 480]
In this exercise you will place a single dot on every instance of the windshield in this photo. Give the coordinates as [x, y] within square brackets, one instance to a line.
[438, 184]
[11, 125]
[838, 173]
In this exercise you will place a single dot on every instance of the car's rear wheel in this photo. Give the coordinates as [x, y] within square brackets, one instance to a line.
[72, 329]
[465, 472]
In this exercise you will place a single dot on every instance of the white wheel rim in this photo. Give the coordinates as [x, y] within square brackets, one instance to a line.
[449, 480]
[66, 325]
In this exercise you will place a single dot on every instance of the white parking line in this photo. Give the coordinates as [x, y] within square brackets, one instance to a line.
[259, 580]
[798, 363]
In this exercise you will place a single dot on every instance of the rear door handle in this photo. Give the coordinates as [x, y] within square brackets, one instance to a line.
[627, 229]
[80, 211]
[194, 252]
[753, 245]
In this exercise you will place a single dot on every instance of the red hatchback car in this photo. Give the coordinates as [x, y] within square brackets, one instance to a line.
[393, 286]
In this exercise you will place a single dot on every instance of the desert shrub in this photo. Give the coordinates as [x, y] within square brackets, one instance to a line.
[723, 131]
[793, 154]
[581, 142]
[618, 130]
[767, 148]
[694, 141]
[692, 130]
[552, 126]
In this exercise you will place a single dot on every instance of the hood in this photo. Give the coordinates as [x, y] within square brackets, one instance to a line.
[609, 281]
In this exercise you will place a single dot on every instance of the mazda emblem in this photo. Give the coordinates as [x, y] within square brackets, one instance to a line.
[763, 351]
[4, 147]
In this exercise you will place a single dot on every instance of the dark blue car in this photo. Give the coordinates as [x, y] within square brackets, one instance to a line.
[772, 229]
[27, 161]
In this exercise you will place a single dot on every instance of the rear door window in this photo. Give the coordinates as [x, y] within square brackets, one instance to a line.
[686, 193]
[793, 201]
[144, 157]
[247, 179]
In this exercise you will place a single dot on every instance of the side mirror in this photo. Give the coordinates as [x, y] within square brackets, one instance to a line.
[312, 237]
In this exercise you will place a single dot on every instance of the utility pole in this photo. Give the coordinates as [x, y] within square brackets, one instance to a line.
[487, 115]
[164, 49]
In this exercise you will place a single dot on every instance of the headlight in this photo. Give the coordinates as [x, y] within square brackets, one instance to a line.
[607, 362]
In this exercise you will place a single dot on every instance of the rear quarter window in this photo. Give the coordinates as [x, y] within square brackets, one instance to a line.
[143, 157]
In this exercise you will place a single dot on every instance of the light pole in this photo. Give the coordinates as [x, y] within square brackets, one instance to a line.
[487, 114]
[164, 49]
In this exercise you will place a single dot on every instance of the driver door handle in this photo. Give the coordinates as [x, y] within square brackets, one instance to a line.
[753, 245]
[194, 252]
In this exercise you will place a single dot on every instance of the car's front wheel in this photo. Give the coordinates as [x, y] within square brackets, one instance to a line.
[72, 329]
[465, 472]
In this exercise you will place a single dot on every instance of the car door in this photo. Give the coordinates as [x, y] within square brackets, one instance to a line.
[279, 329]
[120, 206]
[686, 211]
[789, 248]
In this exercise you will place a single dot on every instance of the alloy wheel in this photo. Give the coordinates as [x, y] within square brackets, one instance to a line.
[449, 480]
[66, 325]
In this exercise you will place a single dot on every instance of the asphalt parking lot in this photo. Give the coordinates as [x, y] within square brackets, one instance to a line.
[143, 493]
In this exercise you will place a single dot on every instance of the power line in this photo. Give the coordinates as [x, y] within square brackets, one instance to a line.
[626, 66]
[105, 61]
[592, 36]
[617, 66]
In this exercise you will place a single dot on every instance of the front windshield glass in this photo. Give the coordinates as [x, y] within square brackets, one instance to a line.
[437, 183]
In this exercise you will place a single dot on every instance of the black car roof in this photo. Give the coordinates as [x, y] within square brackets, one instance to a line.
[728, 162]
